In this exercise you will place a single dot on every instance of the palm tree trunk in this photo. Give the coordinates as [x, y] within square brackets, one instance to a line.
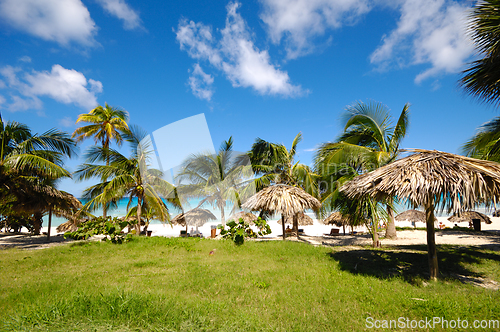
[105, 145]
[139, 207]
[375, 243]
[390, 230]
[222, 217]
[37, 223]
[431, 242]
[283, 226]
[50, 224]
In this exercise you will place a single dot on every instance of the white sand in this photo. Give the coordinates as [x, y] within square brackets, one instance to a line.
[315, 234]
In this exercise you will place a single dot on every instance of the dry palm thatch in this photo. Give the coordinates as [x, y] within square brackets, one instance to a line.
[302, 219]
[195, 217]
[467, 216]
[283, 199]
[246, 216]
[431, 179]
[412, 215]
[337, 219]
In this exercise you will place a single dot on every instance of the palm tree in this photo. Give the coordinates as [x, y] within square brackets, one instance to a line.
[485, 144]
[215, 178]
[127, 177]
[273, 163]
[106, 124]
[368, 142]
[482, 78]
[30, 161]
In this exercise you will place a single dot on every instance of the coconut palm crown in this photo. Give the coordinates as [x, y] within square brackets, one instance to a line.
[482, 78]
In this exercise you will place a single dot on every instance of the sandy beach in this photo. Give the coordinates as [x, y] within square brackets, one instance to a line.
[315, 234]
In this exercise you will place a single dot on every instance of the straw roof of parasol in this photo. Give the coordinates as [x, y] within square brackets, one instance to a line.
[248, 217]
[431, 179]
[196, 217]
[452, 181]
[303, 220]
[337, 219]
[412, 215]
[281, 198]
[468, 216]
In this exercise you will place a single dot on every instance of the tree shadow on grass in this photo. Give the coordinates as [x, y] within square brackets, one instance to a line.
[411, 263]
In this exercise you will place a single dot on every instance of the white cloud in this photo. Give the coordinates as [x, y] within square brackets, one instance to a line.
[61, 21]
[25, 59]
[67, 86]
[235, 55]
[201, 83]
[299, 21]
[66, 122]
[122, 10]
[428, 32]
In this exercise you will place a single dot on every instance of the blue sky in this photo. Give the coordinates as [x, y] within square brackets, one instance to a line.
[268, 68]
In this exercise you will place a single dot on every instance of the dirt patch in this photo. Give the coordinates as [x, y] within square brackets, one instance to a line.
[30, 242]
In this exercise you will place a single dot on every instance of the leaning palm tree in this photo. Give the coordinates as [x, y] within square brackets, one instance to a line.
[106, 124]
[215, 178]
[369, 141]
[482, 78]
[273, 164]
[127, 177]
[28, 161]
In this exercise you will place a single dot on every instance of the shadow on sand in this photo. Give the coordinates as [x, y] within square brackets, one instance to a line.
[410, 263]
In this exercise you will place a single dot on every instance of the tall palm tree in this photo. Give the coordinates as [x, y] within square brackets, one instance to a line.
[273, 163]
[106, 124]
[127, 177]
[215, 178]
[482, 78]
[369, 141]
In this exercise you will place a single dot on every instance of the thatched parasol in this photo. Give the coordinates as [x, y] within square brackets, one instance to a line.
[467, 216]
[248, 217]
[195, 218]
[283, 199]
[337, 219]
[412, 215]
[431, 179]
[302, 219]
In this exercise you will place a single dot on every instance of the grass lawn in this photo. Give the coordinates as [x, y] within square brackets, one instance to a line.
[172, 284]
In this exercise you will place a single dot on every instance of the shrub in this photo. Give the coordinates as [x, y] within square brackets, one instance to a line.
[111, 227]
[238, 231]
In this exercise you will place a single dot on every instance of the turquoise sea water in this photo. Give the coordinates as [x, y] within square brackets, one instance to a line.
[121, 211]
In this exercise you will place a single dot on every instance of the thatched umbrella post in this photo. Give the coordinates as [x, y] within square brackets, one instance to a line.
[430, 179]
[283, 226]
[431, 240]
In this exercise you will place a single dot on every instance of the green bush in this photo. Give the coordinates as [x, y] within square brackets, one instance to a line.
[239, 231]
[111, 227]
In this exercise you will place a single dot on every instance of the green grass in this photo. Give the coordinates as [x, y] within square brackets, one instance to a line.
[161, 284]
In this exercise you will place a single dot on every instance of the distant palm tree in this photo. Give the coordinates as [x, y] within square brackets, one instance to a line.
[369, 141]
[106, 124]
[215, 178]
[127, 177]
[273, 163]
[485, 144]
[482, 78]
